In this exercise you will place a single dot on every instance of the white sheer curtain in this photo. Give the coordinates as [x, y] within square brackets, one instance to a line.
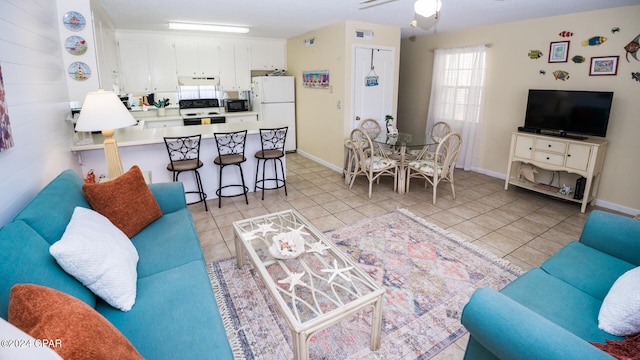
[457, 95]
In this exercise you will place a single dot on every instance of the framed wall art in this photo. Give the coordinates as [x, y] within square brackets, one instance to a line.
[6, 139]
[604, 65]
[559, 51]
[318, 79]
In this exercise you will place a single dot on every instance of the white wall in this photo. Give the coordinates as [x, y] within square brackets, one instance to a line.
[36, 95]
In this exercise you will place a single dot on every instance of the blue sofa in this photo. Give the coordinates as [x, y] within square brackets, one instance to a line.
[551, 312]
[175, 315]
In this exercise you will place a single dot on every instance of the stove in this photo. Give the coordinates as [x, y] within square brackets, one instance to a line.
[200, 112]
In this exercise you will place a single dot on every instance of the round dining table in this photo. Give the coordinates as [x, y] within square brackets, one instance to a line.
[406, 146]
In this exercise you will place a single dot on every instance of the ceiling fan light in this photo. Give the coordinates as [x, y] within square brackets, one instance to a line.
[427, 8]
[208, 27]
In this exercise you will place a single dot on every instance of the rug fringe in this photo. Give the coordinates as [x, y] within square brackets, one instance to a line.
[236, 346]
[462, 242]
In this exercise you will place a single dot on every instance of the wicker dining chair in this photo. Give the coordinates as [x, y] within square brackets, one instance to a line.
[439, 167]
[371, 163]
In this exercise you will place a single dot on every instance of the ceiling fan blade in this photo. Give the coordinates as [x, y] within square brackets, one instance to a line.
[374, 3]
[425, 23]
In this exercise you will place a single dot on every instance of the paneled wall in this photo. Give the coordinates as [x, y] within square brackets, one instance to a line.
[36, 95]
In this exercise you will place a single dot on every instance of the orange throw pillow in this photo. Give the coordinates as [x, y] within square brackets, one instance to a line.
[70, 327]
[126, 201]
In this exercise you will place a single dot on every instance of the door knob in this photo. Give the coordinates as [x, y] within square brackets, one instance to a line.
[357, 118]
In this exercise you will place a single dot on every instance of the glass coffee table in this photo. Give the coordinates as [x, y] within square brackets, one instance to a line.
[313, 282]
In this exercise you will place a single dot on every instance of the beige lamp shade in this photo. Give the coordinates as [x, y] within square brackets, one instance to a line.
[102, 110]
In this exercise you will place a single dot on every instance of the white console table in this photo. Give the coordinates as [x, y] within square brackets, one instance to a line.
[581, 157]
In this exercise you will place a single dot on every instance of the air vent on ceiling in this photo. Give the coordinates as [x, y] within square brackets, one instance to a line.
[364, 34]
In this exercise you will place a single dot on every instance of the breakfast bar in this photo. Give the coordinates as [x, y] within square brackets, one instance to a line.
[145, 147]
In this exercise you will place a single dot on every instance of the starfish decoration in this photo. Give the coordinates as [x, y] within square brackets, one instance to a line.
[298, 231]
[264, 229]
[318, 247]
[336, 271]
[293, 279]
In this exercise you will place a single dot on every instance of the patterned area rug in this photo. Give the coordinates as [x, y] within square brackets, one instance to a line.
[428, 273]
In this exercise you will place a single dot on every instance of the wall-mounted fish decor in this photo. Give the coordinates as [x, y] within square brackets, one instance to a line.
[535, 54]
[615, 30]
[632, 48]
[566, 33]
[561, 75]
[635, 76]
[578, 59]
[596, 40]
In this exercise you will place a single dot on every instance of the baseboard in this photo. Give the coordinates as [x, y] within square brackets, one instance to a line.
[320, 161]
[619, 208]
[605, 204]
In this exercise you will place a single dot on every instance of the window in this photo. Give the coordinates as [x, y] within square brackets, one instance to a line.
[457, 92]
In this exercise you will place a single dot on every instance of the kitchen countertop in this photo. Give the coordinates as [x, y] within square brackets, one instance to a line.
[137, 135]
[172, 114]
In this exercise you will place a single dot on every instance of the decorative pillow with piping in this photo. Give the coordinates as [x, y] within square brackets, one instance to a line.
[75, 329]
[620, 310]
[126, 201]
[100, 256]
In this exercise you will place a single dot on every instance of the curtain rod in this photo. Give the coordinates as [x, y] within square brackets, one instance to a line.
[487, 45]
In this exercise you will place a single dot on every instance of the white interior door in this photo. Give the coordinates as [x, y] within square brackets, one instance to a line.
[373, 85]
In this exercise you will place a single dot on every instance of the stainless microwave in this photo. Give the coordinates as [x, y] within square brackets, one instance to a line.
[235, 105]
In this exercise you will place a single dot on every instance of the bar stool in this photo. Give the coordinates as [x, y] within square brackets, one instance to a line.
[231, 152]
[184, 155]
[272, 149]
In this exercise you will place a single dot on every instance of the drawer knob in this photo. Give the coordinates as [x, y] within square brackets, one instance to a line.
[549, 145]
[568, 155]
[547, 158]
[530, 148]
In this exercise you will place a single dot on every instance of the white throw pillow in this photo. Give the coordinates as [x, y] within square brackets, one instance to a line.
[100, 256]
[620, 310]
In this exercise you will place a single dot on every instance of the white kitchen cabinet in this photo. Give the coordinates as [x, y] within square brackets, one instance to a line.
[107, 53]
[235, 72]
[198, 57]
[147, 66]
[268, 54]
[163, 123]
[581, 157]
[162, 65]
[134, 65]
[241, 118]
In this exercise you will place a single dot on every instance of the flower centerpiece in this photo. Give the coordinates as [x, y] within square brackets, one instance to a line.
[389, 122]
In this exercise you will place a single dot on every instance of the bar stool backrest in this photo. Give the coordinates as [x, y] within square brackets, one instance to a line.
[182, 149]
[273, 139]
[231, 143]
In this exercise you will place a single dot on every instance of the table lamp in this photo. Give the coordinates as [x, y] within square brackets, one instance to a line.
[103, 110]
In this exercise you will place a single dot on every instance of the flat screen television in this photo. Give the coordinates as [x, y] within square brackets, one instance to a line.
[569, 113]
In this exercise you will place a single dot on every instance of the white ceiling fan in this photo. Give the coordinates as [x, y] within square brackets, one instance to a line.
[367, 4]
[427, 13]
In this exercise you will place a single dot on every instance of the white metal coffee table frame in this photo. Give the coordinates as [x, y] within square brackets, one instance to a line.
[250, 237]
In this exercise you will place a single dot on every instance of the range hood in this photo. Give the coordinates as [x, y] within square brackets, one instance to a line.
[196, 81]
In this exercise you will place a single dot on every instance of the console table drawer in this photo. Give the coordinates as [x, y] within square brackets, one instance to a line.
[550, 145]
[548, 158]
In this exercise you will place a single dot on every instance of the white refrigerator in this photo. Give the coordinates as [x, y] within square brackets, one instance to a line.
[273, 98]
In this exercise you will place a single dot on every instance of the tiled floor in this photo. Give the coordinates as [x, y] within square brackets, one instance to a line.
[520, 226]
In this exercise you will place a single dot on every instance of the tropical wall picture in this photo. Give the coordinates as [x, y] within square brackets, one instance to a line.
[316, 79]
[6, 140]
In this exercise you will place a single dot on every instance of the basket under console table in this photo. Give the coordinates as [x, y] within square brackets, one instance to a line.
[580, 157]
